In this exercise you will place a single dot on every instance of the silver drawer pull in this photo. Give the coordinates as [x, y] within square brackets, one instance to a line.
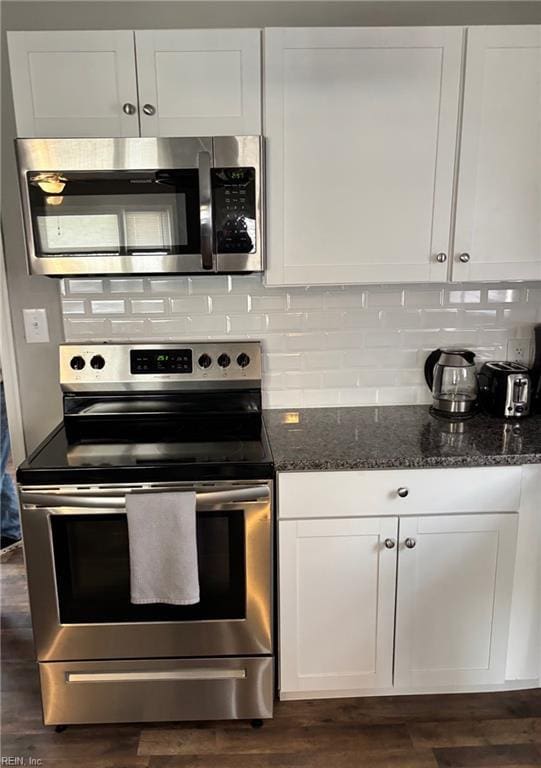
[390, 543]
[205, 673]
[403, 492]
[410, 543]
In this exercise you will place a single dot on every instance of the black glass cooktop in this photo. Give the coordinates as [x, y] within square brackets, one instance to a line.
[112, 460]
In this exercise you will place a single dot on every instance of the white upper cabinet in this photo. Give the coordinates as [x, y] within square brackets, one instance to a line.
[199, 82]
[71, 84]
[361, 129]
[498, 223]
[158, 83]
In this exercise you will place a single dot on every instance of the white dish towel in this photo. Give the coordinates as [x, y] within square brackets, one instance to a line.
[163, 548]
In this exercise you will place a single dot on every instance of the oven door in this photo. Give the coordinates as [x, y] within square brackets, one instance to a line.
[76, 547]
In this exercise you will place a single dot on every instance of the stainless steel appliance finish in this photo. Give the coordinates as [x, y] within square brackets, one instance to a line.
[451, 376]
[156, 690]
[147, 418]
[107, 367]
[58, 641]
[55, 159]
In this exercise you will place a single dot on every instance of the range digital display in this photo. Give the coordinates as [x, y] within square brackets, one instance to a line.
[161, 361]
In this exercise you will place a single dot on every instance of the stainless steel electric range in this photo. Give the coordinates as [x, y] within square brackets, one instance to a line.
[152, 417]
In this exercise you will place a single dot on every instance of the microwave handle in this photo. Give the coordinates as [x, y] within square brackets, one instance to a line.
[51, 500]
[205, 210]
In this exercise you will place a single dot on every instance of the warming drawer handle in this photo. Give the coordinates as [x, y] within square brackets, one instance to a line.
[204, 673]
[255, 493]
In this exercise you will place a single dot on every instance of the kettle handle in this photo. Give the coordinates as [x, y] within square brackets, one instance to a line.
[430, 362]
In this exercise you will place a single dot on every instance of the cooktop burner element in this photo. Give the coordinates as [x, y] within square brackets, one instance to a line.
[154, 412]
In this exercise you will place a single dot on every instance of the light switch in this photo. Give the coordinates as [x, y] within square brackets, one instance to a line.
[36, 328]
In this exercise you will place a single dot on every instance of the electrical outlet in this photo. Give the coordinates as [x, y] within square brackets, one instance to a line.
[519, 351]
[36, 328]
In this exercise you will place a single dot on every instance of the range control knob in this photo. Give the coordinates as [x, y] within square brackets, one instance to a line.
[224, 361]
[97, 362]
[77, 363]
[243, 360]
[205, 361]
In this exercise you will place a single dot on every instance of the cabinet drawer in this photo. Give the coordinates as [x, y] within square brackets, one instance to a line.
[376, 492]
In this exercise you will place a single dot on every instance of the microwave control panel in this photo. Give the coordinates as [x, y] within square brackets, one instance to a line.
[234, 209]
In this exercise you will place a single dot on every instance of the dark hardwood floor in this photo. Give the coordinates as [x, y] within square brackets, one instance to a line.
[458, 731]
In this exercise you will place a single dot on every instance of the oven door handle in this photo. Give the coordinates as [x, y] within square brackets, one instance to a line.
[205, 210]
[52, 500]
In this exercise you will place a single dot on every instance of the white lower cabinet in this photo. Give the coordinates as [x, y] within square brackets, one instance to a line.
[454, 598]
[337, 602]
[398, 602]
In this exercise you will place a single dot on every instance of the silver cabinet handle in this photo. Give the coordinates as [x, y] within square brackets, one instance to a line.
[410, 543]
[149, 109]
[390, 543]
[464, 257]
[129, 109]
[403, 492]
[205, 210]
[441, 258]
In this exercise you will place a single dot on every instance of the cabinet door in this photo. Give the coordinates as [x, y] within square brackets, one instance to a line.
[498, 222]
[361, 127]
[71, 84]
[203, 82]
[454, 598]
[337, 596]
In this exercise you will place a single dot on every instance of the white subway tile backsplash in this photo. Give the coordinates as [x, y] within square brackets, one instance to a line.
[230, 303]
[479, 318]
[464, 297]
[130, 329]
[270, 303]
[128, 285]
[385, 298]
[170, 328]
[282, 362]
[169, 285]
[73, 307]
[401, 318]
[423, 299]
[205, 324]
[352, 345]
[305, 341]
[89, 329]
[339, 378]
[302, 300]
[108, 306]
[85, 286]
[346, 299]
[147, 306]
[191, 305]
[210, 285]
[247, 323]
[293, 321]
[302, 380]
[506, 295]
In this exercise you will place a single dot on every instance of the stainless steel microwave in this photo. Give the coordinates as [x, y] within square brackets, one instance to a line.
[142, 205]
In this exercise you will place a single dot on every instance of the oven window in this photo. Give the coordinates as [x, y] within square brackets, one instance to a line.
[93, 574]
[117, 214]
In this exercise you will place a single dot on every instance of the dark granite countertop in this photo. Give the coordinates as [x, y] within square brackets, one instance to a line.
[396, 437]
